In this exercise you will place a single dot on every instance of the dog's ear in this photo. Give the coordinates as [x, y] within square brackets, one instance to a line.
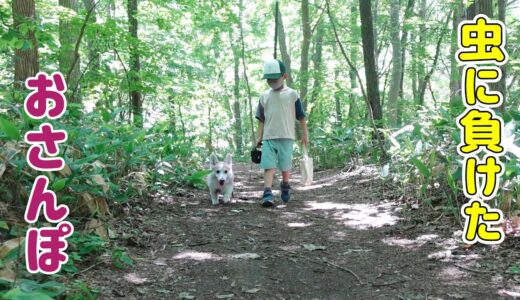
[228, 159]
[213, 159]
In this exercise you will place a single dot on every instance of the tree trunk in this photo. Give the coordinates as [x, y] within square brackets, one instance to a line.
[421, 53]
[69, 32]
[404, 42]
[286, 58]
[25, 58]
[304, 65]
[502, 83]
[354, 53]
[93, 51]
[485, 7]
[337, 99]
[372, 83]
[243, 54]
[375, 19]
[393, 95]
[455, 70]
[135, 66]
[317, 60]
[413, 71]
[236, 92]
[426, 78]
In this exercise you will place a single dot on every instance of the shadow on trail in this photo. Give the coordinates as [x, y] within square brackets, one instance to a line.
[344, 237]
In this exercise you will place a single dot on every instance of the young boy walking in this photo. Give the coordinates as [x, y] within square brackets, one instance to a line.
[278, 109]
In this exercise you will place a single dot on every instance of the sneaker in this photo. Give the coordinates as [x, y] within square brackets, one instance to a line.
[285, 195]
[267, 198]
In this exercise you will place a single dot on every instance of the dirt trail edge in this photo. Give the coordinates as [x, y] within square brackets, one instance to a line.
[344, 237]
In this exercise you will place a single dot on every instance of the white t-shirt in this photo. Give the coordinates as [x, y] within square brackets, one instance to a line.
[278, 111]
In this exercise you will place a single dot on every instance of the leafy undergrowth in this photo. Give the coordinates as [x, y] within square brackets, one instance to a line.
[109, 166]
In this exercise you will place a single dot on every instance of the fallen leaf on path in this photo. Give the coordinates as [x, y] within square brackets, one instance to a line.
[185, 295]
[135, 279]
[457, 296]
[160, 262]
[98, 227]
[7, 273]
[246, 256]
[252, 291]
[9, 245]
[312, 247]
[505, 293]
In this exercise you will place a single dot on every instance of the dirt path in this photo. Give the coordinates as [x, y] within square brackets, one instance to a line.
[345, 237]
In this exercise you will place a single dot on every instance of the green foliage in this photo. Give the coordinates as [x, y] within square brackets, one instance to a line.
[32, 290]
[120, 259]
[80, 291]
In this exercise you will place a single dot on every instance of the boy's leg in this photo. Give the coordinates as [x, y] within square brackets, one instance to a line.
[268, 163]
[268, 178]
[285, 165]
[286, 175]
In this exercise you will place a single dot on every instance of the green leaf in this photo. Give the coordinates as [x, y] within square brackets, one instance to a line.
[3, 225]
[514, 269]
[9, 129]
[422, 167]
[59, 185]
[18, 294]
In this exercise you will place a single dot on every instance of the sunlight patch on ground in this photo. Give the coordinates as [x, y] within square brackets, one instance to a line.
[358, 215]
[206, 256]
[452, 273]
[408, 243]
[324, 182]
[514, 291]
[299, 225]
[195, 255]
[290, 248]
[314, 205]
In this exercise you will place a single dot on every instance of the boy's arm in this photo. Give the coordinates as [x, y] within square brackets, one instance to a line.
[305, 137]
[260, 132]
[300, 115]
[261, 118]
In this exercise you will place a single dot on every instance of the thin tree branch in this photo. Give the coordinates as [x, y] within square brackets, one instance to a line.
[78, 42]
[351, 65]
[436, 58]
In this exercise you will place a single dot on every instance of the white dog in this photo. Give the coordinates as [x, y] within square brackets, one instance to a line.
[220, 180]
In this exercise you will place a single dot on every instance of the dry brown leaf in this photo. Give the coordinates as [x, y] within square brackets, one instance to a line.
[99, 164]
[95, 205]
[468, 247]
[66, 171]
[135, 279]
[95, 225]
[99, 180]
[2, 169]
[9, 245]
[7, 273]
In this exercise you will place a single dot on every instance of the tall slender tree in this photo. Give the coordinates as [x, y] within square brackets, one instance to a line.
[502, 6]
[455, 71]
[93, 50]
[372, 81]
[69, 32]
[135, 65]
[304, 62]
[26, 62]
[286, 57]
[354, 53]
[393, 96]
[236, 93]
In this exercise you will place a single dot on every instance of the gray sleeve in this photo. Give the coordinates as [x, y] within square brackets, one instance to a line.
[300, 114]
[260, 112]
